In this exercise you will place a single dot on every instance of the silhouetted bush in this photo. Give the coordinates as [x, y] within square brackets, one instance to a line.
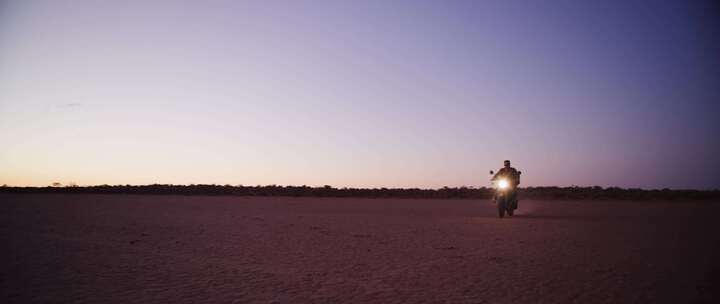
[554, 193]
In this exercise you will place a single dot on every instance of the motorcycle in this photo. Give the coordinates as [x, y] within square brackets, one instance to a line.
[505, 196]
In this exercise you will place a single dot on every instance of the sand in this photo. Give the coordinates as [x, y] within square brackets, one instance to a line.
[192, 249]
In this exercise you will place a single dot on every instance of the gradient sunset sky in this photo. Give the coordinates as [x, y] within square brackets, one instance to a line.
[360, 93]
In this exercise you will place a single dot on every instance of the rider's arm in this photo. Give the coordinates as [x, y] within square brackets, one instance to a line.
[498, 174]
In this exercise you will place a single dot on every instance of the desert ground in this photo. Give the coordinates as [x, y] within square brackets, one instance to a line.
[66, 248]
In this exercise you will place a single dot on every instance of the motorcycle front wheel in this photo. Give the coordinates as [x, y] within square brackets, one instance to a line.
[501, 207]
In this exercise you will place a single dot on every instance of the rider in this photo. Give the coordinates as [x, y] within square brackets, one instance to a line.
[513, 176]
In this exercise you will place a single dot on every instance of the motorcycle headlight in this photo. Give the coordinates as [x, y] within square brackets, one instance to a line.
[503, 184]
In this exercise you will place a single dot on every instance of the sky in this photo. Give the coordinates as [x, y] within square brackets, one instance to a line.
[360, 93]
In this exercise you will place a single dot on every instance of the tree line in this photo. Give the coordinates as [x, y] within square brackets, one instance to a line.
[574, 193]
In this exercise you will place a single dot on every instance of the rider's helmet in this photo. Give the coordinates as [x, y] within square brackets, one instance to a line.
[507, 163]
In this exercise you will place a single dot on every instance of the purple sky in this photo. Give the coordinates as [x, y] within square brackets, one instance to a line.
[360, 93]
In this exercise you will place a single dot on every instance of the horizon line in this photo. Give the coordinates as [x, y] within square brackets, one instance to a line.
[72, 185]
